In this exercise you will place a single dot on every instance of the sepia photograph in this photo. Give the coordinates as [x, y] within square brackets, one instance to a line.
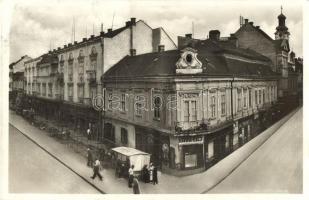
[153, 97]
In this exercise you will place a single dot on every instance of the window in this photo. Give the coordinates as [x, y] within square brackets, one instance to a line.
[110, 100]
[260, 96]
[138, 105]
[250, 98]
[44, 89]
[239, 99]
[33, 89]
[190, 111]
[123, 102]
[81, 68]
[263, 96]
[70, 69]
[50, 89]
[124, 136]
[157, 107]
[213, 106]
[93, 50]
[245, 97]
[93, 65]
[38, 88]
[70, 92]
[223, 104]
[256, 97]
[210, 149]
[81, 93]
[93, 92]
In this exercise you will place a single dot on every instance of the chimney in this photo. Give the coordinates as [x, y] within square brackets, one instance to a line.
[84, 39]
[251, 23]
[233, 40]
[133, 52]
[109, 30]
[49, 51]
[246, 21]
[102, 33]
[91, 36]
[133, 20]
[70, 44]
[75, 42]
[214, 35]
[257, 27]
[128, 23]
[65, 46]
[189, 36]
[160, 48]
[58, 48]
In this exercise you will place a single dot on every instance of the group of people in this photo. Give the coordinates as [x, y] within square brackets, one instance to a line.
[149, 174]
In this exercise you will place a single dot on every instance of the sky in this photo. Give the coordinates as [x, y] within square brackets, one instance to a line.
[37, 25]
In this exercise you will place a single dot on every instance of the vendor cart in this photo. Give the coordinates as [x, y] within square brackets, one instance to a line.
[124, 157]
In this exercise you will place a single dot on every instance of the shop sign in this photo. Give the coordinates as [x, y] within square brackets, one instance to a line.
[191, 140]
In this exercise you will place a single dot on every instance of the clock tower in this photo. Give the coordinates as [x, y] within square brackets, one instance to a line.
[281, 30]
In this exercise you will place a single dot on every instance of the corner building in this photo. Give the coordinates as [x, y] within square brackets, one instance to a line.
[189, 107]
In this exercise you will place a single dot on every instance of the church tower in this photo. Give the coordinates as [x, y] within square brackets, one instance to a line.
[281, 30]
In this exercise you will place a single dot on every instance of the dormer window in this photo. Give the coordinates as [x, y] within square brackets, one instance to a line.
[189, 58]
[188, 62]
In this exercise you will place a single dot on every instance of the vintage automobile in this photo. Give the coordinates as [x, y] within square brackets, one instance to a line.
[124, 157]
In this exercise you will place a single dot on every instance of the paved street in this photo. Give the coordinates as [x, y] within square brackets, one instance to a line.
[32, 170]
[167, 183]
[275, 167]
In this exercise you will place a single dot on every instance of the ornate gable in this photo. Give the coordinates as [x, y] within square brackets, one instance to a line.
[188, 62]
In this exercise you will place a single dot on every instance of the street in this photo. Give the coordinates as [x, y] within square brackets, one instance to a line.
[32, 170]
[275, 167]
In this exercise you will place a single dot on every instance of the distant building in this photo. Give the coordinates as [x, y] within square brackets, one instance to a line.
[253, 37]
[16, 77]
[189, 107]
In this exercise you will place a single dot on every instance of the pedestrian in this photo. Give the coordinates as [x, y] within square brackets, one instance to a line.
[155, 175]
[150, 170]
[88, 134]
[131, 176]
[89, 158]
[96, 170]
[136, 189]
[145, 174]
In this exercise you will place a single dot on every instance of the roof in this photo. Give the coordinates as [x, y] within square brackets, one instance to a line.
[257, 28]
[211, 54]
[14, 63]
[127, 151]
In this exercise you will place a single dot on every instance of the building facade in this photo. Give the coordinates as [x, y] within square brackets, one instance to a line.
[68, 78]
[189, 107]
[277, 50]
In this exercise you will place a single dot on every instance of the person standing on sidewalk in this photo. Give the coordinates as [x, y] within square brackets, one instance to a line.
[150, 170]
[88, 134]
[155, 175]
[89, 158]
[96, 170]
[136, 189]
[131, 176]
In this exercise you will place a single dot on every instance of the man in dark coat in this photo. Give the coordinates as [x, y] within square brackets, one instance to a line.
[155, 175]
[136, 189]
[96, 170]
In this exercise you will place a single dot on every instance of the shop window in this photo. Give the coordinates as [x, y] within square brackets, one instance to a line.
[210, 149]
[190, 160]
[227, 141]
[109, 132]
[93, 92]
[50, 89]
[256, 97]
[223, 104]
[124, 136]
[123, 102]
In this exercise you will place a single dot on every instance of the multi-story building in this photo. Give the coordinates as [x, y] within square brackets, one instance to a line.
[17, 78]
[253, 37]
[189, 107]
[69, 77]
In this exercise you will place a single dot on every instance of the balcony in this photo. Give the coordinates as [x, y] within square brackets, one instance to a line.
[91, 76]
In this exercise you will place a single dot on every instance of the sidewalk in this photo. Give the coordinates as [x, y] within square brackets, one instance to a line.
[198, 183]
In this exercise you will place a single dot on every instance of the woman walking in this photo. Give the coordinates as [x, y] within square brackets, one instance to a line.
[131, 176]
[150, 170]
[136, 189]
